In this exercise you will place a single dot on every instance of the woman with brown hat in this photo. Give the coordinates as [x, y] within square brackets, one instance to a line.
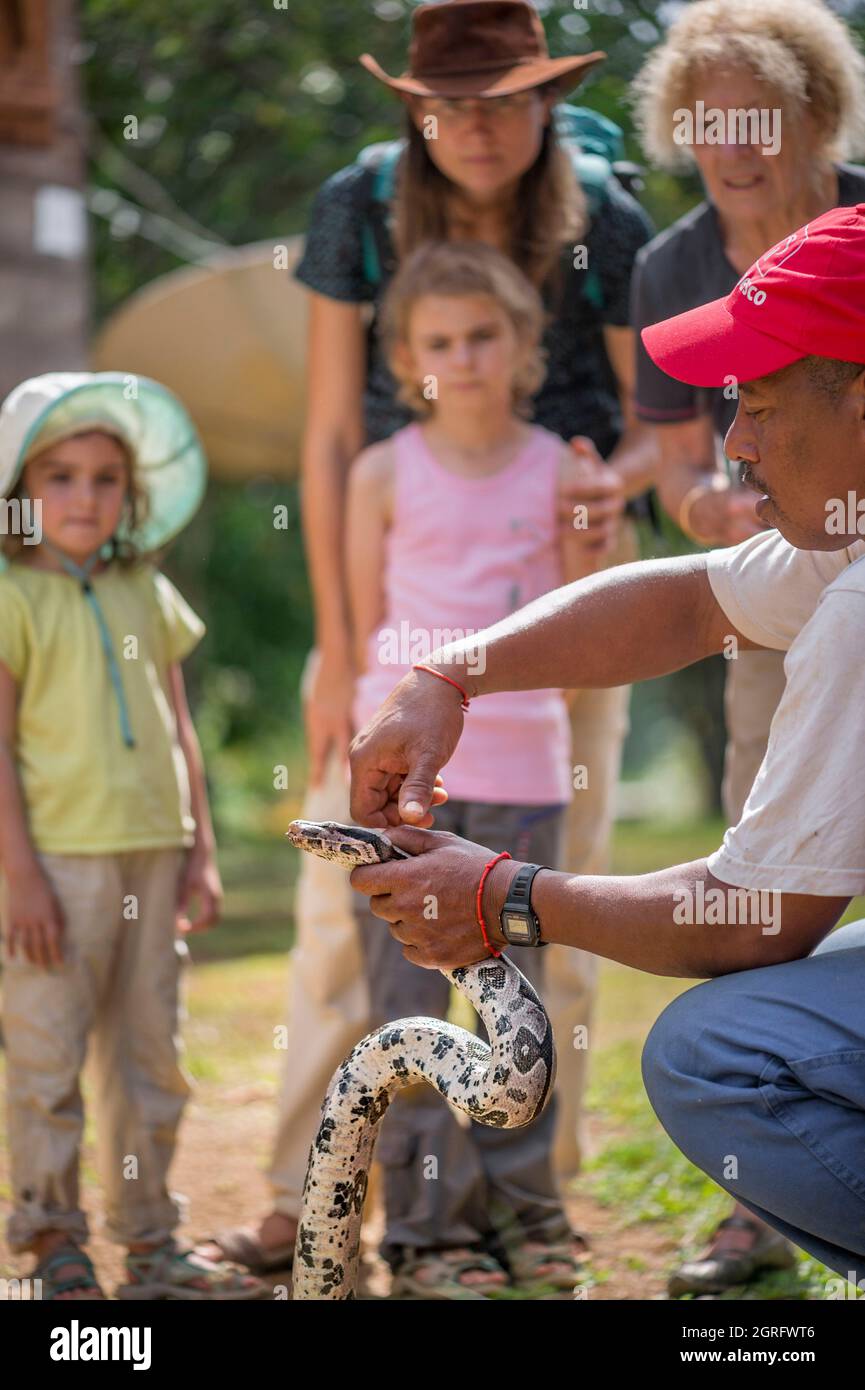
[481, 160]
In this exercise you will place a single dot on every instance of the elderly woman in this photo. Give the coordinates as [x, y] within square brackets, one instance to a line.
[795, 64]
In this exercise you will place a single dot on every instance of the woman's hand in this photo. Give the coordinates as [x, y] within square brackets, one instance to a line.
[396, 758]
[725, 516]
[601, 491]
[35, 916]
[199, 881]
[328, 691]
[430, 900]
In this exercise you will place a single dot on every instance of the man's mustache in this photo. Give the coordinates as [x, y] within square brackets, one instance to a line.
[748, 478]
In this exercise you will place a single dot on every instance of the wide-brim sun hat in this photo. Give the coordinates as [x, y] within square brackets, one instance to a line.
[170, 464]
[481, 48]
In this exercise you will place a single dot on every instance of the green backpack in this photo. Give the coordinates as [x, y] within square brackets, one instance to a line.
[594, 143]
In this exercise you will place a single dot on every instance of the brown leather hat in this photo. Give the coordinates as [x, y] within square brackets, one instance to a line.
[480, 48]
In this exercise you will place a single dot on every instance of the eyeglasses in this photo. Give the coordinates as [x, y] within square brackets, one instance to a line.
[460, 109]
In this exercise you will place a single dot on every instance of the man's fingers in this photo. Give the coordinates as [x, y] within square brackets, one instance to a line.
[416, 792]
[413, 839]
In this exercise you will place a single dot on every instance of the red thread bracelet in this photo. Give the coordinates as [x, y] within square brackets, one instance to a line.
[419, 666]
[480, 912]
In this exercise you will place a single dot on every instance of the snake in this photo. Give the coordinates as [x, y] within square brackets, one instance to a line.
[505, 1082]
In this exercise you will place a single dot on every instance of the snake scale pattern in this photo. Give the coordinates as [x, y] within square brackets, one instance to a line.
[506, 1083]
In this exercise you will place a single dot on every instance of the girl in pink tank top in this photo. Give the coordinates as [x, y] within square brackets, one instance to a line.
[452, 524]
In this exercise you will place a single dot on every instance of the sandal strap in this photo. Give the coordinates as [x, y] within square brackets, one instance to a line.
[67, 1255]
[163, 1265]
[476, 1259]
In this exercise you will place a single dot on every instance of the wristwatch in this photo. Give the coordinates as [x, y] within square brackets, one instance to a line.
[520, 926]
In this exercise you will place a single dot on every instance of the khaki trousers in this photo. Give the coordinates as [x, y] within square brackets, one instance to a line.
[118, 990]
[328, 1003]
[755, 684]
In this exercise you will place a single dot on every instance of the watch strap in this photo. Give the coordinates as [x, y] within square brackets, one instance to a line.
[519, 899]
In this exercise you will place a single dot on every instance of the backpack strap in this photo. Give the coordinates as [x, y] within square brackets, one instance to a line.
[380, 162]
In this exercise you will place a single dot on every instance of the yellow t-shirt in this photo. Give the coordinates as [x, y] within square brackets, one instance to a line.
[86, 792]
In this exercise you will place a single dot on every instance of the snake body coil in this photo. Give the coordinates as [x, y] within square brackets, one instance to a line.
[505, 1083]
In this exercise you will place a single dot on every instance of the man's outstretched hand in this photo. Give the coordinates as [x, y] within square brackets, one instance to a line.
[395, 759]
[429, 901]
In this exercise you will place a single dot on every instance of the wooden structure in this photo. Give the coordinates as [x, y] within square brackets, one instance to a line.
[43, 222]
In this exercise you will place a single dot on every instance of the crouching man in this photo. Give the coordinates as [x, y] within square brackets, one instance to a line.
[764, 1063]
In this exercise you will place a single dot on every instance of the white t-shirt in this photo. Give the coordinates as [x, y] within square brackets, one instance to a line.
[803, 826]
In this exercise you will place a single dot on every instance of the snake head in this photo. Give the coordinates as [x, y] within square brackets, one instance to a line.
[348, 845]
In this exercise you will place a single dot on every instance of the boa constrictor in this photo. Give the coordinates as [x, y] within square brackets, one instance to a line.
[505, 1083]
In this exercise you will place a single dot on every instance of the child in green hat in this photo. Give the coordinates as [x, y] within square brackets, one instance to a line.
[105, 832]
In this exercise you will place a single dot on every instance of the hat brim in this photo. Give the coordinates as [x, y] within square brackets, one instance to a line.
[497, 82]
[708, 346]
[170, 463]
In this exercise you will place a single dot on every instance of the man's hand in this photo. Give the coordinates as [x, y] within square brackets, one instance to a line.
[395, 759]
[200, 881]
[35, 917]
[327, 694]
[430, 900]
[601, 491]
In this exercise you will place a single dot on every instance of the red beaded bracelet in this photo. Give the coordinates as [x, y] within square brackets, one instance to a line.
[480, 911]
[419, 666]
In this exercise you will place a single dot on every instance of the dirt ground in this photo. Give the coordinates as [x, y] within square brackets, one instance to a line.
[224, 1145]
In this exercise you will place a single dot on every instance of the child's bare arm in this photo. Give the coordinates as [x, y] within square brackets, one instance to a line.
[35, 918]
[370, 490]
[201, 878]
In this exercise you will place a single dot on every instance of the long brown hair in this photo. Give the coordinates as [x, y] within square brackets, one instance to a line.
[551, 210]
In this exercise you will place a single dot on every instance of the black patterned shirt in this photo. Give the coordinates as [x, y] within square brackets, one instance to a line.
[579, 393]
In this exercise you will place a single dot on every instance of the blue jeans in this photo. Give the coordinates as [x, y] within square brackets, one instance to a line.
[759, 1078]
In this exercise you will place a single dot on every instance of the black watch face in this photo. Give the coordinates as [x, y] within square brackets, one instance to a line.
[517, 928]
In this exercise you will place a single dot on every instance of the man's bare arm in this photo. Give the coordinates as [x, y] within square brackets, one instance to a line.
[626, 624]
[629, 623]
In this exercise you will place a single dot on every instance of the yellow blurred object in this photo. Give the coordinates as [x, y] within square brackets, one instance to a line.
[229, 339]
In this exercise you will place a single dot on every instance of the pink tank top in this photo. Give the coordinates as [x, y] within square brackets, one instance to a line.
[461, 554]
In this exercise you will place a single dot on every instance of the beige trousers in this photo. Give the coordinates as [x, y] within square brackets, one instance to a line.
[755, 684]
[118, 989]
[328, 1003]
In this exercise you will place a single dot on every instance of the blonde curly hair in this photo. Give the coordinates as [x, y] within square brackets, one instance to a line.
[797, 46]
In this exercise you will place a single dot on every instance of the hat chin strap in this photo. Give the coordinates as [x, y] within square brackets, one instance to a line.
[82, 573]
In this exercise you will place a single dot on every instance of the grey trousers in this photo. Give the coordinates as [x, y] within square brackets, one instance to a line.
[448, 1183]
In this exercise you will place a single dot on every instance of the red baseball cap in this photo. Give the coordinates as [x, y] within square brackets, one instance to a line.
[804, 297]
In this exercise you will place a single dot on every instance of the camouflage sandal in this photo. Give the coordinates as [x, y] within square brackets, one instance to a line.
[447, 1266]
[529, 1265]
[171, 1273]
[85, 1285]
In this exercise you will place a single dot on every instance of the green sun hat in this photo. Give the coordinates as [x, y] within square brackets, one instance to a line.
[170, 464]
